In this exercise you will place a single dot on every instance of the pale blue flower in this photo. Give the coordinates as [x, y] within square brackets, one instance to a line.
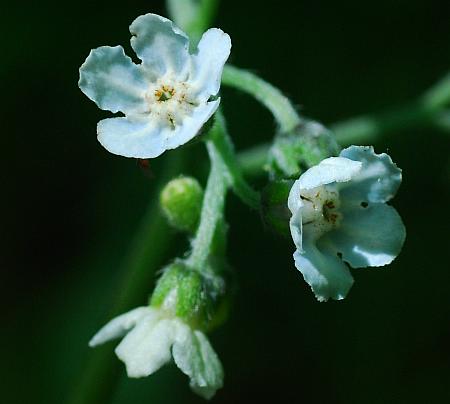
[167, 98]
[340, 215]
[152, 338]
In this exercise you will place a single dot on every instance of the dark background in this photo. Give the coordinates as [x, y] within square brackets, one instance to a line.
[69, 208]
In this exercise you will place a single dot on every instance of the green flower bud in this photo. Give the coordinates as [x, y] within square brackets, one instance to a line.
[305, 146]
[195, 297]
[181, 201]
[275, 209]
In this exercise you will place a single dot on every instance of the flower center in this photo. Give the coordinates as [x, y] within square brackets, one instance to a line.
[320, 210]
[169, 101]
[164, 93]
[329, 212]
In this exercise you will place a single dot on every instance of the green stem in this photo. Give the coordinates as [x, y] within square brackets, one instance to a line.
[225, 172]
[272, 98]
[431, 109]
[361, 129]
[212, 209]
[222, 143]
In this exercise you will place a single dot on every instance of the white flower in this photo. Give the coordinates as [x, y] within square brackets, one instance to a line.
[152, 338]
[167, 98]
[339, 213]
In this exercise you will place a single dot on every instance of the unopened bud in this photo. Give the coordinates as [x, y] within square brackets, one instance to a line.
[181, 201]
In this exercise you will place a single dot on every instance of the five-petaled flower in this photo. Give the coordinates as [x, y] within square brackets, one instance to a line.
[152, 337]
[167, 98]
[339, 213]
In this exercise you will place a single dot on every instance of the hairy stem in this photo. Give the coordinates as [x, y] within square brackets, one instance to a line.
[431, 109]
[270, 96]
[224, 147]
[225, 173]
[361, 129]
[212, 209]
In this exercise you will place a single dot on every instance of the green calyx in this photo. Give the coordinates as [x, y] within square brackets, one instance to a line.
[196, 298]
[181, 202]
[291, 154]
[303, 147]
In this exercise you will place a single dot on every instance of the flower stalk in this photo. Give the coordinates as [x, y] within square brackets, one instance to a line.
[221, 145]
[225, 173]
[212, 210]
[429, 110]
[271, 97]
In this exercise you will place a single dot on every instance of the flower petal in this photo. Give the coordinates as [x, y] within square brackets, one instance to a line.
[147, 347]
[329, 170]
[371, 236]
[119, 326]
[191, 124]
[139, 139]
[327, 275]
[161, 46]
[195, 357]
[294, 200]
[110, 79]
[295, 223]
[378, 179]
[213, 51]
[147, 138]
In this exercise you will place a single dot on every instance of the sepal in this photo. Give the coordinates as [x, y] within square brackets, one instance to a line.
[303, 147]
[197, 298]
